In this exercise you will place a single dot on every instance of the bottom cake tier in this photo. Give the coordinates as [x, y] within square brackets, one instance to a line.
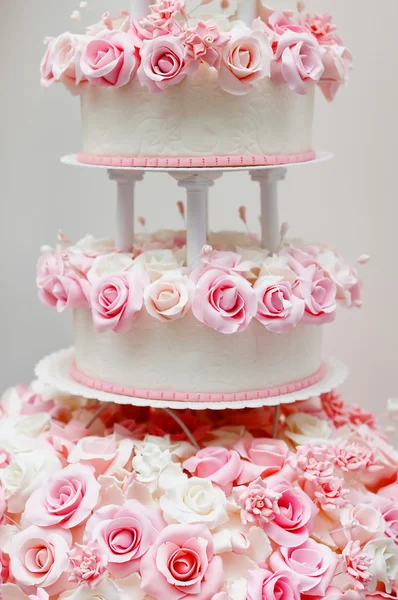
[109, 502]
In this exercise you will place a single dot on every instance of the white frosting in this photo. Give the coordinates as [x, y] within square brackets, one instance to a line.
[196, 118]
[187, 356]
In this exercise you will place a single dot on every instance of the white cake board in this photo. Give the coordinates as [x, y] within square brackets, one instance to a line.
[71, 160]
[54, 370]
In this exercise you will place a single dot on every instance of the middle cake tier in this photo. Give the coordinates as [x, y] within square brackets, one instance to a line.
[239, 323]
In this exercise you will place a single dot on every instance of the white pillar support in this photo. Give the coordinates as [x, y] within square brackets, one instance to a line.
[247, 11]
[125, 181]
[270, 228]
[140, 9]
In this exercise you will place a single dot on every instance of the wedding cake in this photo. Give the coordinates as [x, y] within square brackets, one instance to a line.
[192, 445]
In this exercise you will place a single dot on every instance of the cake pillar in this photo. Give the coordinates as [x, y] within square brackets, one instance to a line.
[247, 11]
[140, 9]
[125, 180]
[269, 219]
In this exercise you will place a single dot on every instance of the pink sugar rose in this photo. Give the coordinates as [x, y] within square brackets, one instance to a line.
[106, 454]
[65, 56]
[258, 503]
[227, 303]
[322, 28]
[352, 457]
[88, 564]
[109, 60]
[319, 295]
[357, 564]
[124, 534]
[205, 42]
[304, 257]
[278, 309]
[222, 260]
[314, 565]
[280, 22]
[246, 58]
[335, 408]
[67, 500]
[117, 299]
[49, 265]
[170, 297]
[357, 416]
[262, 457]
[218, 464]
[164, 62]
[314, 463]
[390, 515]
[67, 291]
[46, 66]
[39, 595]
[4, 568]
[330, 495]
[39, 559]
[264, 585]
[3, 505]
[337, 64]
[180, 565]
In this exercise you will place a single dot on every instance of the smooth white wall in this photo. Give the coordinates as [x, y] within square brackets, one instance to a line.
[350, 202]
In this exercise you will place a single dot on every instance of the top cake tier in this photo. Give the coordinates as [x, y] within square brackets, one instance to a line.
[173, 90]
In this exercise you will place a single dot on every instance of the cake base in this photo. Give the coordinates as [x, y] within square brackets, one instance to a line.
[56, 370]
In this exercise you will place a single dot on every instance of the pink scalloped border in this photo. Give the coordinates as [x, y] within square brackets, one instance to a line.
[121, 390]
[249, 160]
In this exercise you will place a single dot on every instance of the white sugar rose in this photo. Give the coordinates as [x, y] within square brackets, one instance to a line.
[26, 472]
[108, 264]
[195, 500]
[94, 247]
[303, 428]
[384, 568]
[170, 297]
[155, 467]
[157, 262]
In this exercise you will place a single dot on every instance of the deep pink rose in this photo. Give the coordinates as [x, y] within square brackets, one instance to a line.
[246, 58]
[227, 303]
[337, 63]
[164, 62]
[205, 42]
[109, 60]
[218, 464]
[181, 565]
[106, 454]
[262, 457]
[278, 309]
[39, 559]
[67, 500]
[314, 565]
[124, 534]
[46, 65]
[322, 28]
[264, 585]
[116, 300]
[319, 295]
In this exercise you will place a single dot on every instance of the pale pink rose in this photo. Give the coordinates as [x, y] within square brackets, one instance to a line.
[109, 60]
[147, 29]
[117, 299]
[351, 457]
[3, 505]
[180, 565]
[205, 42]
[314, 565]
[88, 564]
[258, 502]
[39, 559]
[319, 295]
[66, 54]
[262, 457]
[66, 291]
[222, 260]
[218, 464]
[329, 495]
[227, 303]
[278, 309]
[124, 534]
[390, 515]
[279, 22]
[322, 28]
[337, 64]
[168, 9]
[49, 265]
[170, 297]
[314, 463]
[67, 500]
[40, 595]
[46, 65]
[390, 492]
[106, 454]
[264, 585]
[304, 257]
[357, 564]
[361, 522]
[164, 62]
[246, 58]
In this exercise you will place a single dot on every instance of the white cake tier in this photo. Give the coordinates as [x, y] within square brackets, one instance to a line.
[186, 357]
[197, 119]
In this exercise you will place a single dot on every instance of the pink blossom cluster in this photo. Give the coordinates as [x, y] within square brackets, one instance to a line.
[118, 503]
[225, 290]
[164, 48]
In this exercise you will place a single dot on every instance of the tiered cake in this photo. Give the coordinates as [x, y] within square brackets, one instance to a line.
[192, 444]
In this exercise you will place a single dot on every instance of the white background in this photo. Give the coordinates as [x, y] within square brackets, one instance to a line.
[350, 202]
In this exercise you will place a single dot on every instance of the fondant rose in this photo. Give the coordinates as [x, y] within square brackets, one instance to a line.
[204, 42]
[88, 564]
[264, 585]
[180, 564]
[222, 260]
[303, 428]
[246, 58]
[262, 457]
[109, 60]
[227, 303]
[106, 454]
[116, 300]
[319, 295]
[346, 278]
[278, 309]
[361, 522]
[313, 564]
[66, 54]
[170, 297]
[66, 291]
[390, 515]
[158, 262]
[124, 534]
[337, 63]
[163, 62]
[322, 28]
[46, 65]
[66, 500]
[384, 567]
[39, 559]
[218, 464]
